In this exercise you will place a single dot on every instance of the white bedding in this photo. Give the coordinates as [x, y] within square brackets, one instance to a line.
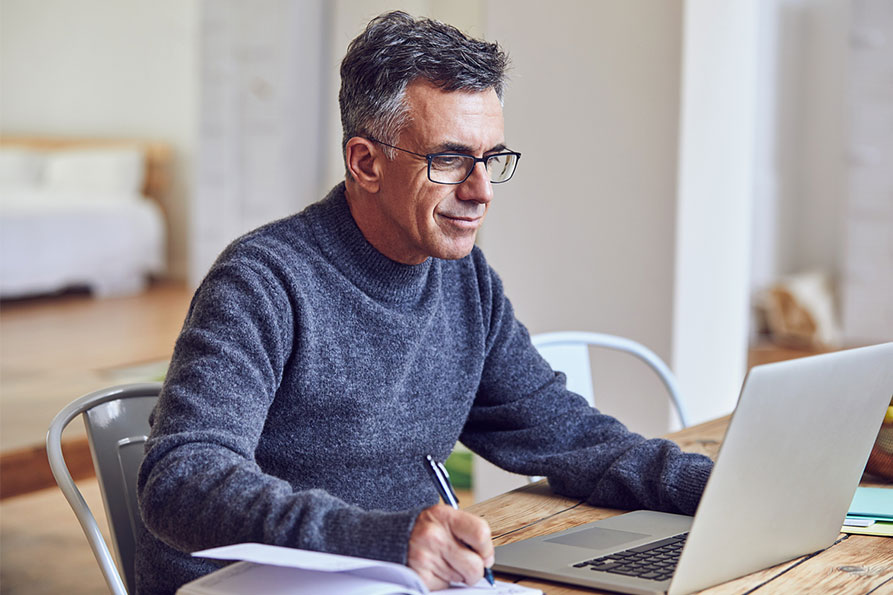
[51, 239]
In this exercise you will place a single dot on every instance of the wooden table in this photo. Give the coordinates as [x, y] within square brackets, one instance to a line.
[856, 564]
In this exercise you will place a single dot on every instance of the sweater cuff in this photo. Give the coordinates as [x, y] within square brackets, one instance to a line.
[374, 534]
[688, 485]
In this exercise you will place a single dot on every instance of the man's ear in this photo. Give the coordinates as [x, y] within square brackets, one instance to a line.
[364, 161]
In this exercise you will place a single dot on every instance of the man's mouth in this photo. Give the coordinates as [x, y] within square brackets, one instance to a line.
[463, 221]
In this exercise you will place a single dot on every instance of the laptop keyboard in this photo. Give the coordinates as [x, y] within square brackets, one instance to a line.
[655, 561]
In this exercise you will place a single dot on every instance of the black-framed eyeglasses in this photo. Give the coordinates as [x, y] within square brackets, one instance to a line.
[455, 168]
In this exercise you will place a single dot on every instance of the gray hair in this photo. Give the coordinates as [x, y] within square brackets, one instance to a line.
[394, 50]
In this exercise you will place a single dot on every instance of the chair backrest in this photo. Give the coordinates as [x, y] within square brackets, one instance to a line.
[568, 352]
[117, 422]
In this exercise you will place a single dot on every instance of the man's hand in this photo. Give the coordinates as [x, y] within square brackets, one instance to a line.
[449, 545]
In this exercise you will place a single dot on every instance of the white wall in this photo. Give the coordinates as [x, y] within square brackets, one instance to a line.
[800, 173]
[717, 149]
[779, 133]
[816, 238]
[263, 107]
[584, 235]
[867, 271]
[116, 68]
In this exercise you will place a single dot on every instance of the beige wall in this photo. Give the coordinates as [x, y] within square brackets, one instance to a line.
[122, 68]
[715, 201]
[583, 236]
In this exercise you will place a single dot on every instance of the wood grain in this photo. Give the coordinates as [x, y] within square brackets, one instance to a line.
[43, 550]
[855, 564]
[27, 470]
[44, 364]
[510, 512]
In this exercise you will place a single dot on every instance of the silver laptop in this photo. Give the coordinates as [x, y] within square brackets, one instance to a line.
[784, 478]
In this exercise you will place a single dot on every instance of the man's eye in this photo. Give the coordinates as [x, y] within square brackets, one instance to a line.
[448, 162]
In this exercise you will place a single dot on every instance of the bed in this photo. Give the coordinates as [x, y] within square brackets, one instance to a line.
[81, 213]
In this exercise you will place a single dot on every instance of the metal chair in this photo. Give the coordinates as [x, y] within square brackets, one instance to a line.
[117, 422]
[568, 352]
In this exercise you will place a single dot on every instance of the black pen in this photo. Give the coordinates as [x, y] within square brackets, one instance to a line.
[442, 482]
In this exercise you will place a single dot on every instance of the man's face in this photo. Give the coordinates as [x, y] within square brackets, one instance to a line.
[423, 218]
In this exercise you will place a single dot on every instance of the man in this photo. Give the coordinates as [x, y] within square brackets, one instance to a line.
[326, 354]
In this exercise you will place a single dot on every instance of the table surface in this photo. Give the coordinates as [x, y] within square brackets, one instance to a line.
[856, 564]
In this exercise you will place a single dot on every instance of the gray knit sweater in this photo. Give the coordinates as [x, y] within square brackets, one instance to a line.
[313, 374]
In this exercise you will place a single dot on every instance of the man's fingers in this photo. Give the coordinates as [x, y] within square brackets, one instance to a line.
[465, 563]
[474, 532]
[429, 543]
[449, 545]
[433, 569]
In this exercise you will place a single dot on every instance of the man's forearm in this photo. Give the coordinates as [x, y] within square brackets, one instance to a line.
[198, 496]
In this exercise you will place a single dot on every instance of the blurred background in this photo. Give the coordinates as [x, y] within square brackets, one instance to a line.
[713, 180]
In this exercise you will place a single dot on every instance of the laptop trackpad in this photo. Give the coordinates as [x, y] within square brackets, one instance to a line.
[597, 538]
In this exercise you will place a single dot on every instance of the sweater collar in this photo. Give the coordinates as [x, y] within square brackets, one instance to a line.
[344, 245]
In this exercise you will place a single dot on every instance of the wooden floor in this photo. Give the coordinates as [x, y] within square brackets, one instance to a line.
[42, 548]
[53, 350]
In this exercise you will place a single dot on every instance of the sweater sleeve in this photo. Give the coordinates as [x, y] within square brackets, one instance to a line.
[199, 485]
[525, 421]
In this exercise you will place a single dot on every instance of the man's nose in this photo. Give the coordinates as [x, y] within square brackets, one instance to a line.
[477, 186]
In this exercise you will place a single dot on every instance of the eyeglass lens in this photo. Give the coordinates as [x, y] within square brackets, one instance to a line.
[454, 169]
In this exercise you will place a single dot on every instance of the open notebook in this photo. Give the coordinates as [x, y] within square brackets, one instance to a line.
[274, 570]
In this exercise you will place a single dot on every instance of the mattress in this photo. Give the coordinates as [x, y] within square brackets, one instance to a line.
[51, 239]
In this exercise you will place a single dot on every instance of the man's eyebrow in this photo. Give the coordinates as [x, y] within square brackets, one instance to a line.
[449, 147]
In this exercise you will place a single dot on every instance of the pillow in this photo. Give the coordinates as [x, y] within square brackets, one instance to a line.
[20, 167]
[118, 170]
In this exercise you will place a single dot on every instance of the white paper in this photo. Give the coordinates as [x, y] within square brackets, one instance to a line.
[295, 558]
[321, 562]
[249, 577]
[359, 570]
[854, 522]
